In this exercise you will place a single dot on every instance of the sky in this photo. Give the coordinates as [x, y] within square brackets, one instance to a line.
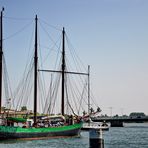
[109, 35]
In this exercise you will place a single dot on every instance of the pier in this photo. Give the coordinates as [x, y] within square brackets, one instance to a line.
[118, 121]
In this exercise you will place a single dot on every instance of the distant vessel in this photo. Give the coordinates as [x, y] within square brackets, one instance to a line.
[95, 125]
[38, 127]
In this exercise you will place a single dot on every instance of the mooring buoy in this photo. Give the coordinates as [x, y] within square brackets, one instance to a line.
[96, 138]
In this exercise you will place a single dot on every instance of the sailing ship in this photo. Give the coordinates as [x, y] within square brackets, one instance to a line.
[34, 130]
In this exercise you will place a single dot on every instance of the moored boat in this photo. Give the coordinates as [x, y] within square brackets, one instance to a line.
[95, 125]
[12, 132]
[32, 128]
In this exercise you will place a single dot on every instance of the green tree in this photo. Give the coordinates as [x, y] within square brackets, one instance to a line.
[3, 108]
[23, 108]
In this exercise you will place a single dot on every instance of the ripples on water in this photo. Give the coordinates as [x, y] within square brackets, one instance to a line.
[130, 136]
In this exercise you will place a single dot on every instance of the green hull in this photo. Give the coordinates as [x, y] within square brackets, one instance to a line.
[10, 132]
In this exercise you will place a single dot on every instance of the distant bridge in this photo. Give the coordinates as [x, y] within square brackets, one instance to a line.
[118, 121]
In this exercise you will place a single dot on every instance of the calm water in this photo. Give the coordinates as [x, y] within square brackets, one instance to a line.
[130, 136]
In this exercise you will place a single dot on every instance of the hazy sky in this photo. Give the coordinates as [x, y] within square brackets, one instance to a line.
[109, 35]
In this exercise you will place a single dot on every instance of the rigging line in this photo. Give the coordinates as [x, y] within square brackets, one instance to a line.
[71, 48]
[75, 61]
[41, 74]
[42, 91]
[46, 47]
[51, 49]
[81, 74]
[76, 65]
[55, 88]
[74, 84]
[68, 101]
[58, 53]
[73, 93]
[59, 71]
[57, 57]
[78, 90]
[74, 51]
[27, 94]
[55, 43]
[24, 93]
[31, 55]
[82, 80]
[23, 82]
[42, 85]
[40, 102]
[56, 28]
[8, 91]
[5, 86]
[21, 19]
[79, 69]
[84, 89]
[18, 89]
[46, 100]
[47, 34]
[91, 97]
[94, 101]
[54, 93]
[30, 45]
[72, 90]
[27, 87]
[48, 97]
[6, 71]
[26, 71]
[77, 102]
[22, 29]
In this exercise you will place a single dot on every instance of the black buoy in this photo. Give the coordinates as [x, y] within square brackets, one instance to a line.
[95, 138]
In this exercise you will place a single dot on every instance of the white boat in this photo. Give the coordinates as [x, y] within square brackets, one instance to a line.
[95, 125]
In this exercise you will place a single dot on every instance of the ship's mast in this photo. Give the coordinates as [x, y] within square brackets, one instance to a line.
[35, 72]
[1, 57]
[63, 71]
[89, 92]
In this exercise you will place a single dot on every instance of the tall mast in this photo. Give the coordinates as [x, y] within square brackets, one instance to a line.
[1, 57]
[89, 92]
[63, 71]
[35, 72]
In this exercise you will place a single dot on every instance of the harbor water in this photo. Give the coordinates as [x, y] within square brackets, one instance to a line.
[133, 135]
